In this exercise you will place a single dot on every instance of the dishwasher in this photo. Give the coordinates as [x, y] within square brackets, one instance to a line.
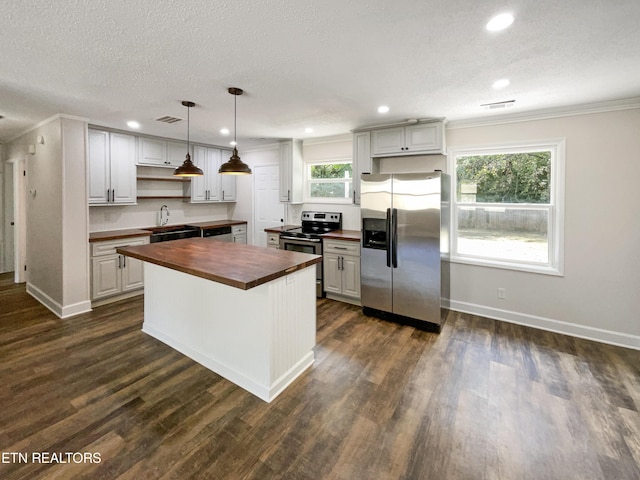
[220, 234]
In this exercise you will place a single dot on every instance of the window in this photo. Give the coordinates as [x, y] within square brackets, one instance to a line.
[329, 181]
[507, 208]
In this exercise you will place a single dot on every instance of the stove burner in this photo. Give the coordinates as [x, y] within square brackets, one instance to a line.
[314, 224]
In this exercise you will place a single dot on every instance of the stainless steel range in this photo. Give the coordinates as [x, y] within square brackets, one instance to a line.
[308, 238]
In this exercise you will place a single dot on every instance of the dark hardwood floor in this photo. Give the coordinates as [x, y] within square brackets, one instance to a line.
[481, 400]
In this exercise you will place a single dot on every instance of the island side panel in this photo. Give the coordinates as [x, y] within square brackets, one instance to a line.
[230, 330]
[293, 331]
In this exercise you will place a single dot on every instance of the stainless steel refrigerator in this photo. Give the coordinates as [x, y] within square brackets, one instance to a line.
[405, 245]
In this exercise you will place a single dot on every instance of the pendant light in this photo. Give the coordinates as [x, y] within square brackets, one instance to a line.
[188, 169]
[235, 166]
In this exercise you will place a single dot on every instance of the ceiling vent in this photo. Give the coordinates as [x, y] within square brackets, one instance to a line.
[496, 105]
[168, 119]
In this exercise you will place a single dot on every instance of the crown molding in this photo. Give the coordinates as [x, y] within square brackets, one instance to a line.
[46, 121]
[543, 114]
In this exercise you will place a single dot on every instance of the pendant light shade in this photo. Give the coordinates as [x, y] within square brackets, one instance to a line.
[188, 169]
[235, 166]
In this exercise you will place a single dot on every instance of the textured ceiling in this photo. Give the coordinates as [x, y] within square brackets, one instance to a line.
[306, 63]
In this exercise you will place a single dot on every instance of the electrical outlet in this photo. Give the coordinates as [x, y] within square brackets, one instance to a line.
[502, 293]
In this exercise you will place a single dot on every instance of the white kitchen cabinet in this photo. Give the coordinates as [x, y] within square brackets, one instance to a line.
[212, 187]
[112, 274]
[227, 182]
[291, 172]
[176, 153]
[361, 161]
[273, 240]
[239, 233]
[153, 152]
[156, 152]
[207, 187]
[112, 168]
[341, 267]
[416, 139]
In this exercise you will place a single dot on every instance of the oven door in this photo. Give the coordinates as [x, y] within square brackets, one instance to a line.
[312, 246]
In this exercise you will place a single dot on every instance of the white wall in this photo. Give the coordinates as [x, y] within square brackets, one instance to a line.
[3, 214]
[56, 214]
[598, 295]
[145, 214]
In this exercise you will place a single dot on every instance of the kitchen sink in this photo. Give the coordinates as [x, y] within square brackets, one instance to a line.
[172, 232]
[168, 228]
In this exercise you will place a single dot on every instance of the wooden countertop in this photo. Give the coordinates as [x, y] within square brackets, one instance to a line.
[281, 229]
[347, 235]
[216, 223]
[146, 231]
[117, 234]
[238, 265]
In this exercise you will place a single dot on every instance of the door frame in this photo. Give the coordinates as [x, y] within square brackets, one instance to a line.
[20, 218]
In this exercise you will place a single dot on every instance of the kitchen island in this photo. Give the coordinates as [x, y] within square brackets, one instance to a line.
[247, 313]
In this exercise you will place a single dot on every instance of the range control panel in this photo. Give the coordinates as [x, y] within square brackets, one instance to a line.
[322, 216]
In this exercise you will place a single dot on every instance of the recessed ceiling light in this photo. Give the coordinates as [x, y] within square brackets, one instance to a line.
[224, 131]
[232, 142]
[500, 22]
[308, 130]
[383, 109]
[133, 124]
[503, 82]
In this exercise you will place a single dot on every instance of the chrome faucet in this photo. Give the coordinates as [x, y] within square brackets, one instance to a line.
[164, 219]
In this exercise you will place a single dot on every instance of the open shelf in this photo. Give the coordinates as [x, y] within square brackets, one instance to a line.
[161, 197]
[164, 179]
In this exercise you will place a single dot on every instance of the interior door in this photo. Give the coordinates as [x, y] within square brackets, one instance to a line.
[8, 226]
[268, 211]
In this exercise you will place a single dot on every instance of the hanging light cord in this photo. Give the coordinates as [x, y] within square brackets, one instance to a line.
[235, 120]
[188, 127]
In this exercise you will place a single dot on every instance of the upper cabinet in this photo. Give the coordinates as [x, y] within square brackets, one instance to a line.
[112, 168]
[161, 153]
[176, 153]
[361, 161]
[416, 139]
[212, 187]
[227, 182]
[291, 172]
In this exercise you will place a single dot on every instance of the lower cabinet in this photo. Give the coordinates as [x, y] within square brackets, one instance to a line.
[112, 274]
[273, 240]
[341, 268]
[239, 233]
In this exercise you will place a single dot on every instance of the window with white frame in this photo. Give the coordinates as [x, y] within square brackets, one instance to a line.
[328, 181]
[507, 206]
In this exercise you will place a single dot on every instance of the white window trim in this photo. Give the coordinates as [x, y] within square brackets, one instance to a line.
[556, 211]
[307, 180]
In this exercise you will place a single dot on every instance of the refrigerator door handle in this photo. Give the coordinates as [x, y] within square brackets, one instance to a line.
[389, 237]
[394, 240]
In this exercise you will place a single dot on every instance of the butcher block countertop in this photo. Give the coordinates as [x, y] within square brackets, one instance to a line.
[117, 234]
[146, 231]
[281, 229]
[347, 235]
[234, 264]
[216, 223]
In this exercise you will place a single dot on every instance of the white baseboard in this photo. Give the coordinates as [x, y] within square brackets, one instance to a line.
[59, 310]
[549, 324]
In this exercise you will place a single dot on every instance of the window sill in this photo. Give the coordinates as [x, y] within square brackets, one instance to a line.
[506, 265]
